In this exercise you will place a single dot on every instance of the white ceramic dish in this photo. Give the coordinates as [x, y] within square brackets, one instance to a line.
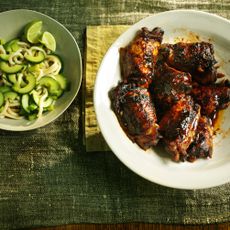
[154, 164]
[12, 22]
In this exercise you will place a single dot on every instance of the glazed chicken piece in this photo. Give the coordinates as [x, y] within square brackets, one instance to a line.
[195, 58]
[178, 127]
[137, 60]
[136, 113]
[211, 98]
[202, 146]
[169, 86]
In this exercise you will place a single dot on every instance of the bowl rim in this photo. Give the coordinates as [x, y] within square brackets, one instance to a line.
[42, 124]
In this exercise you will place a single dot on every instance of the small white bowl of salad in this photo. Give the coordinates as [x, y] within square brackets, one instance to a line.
[40, 69]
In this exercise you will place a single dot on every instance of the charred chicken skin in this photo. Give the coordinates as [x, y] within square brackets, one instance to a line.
[174, 84]
[178, 127]
[202, 146]
[138, 59]
[169, 86]
[211, 98]
[136, 113]
[195, 58]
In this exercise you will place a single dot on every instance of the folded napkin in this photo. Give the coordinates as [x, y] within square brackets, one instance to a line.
[99, 39]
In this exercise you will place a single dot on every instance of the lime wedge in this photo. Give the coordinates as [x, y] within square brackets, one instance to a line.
[33, 31]
[48, 40]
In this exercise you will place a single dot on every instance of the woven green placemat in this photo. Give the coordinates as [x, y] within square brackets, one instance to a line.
[47, 178]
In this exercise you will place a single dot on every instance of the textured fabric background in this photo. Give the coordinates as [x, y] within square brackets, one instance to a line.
[98, 40]
[46, 178]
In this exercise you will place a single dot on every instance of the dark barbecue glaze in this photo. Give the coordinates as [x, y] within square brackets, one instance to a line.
[195, 58]
[178, 127]
[211, 98]
[175, 84]
[169, 86]
[138, 59]
[202, 146]
[136, 113]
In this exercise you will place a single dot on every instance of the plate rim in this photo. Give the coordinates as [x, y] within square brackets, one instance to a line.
[114, 150]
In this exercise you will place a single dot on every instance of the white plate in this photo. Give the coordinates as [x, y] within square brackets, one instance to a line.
[11, 25]
[154, 164]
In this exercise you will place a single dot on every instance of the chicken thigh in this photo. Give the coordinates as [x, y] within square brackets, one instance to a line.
[138, 59]
[178, 127]
[136, 113]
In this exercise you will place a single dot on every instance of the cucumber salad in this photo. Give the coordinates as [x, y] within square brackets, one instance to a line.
[31, 78]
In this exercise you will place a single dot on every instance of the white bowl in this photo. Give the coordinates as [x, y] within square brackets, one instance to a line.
[154, 164]
[12, 23]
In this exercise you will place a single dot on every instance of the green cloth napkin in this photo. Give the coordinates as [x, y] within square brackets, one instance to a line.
[99, 39]
[46, 177]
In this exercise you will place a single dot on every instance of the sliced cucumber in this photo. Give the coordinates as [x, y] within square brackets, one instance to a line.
[61, 80]
[32, 106]
[31, 82]
[6, 80]
[4, 57]
[12, 78]
[22, 64]
[48, 102]
[10, 95]
[1, 99]
[25, 102]
[12, 45]
[36, 97]
[52, 85]
[32, 116]
[49, 108]
[5, 88]
[5, 67]
[39, 57]
[2, 108]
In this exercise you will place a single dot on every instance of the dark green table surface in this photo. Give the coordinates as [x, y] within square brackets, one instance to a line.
[47, 178]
